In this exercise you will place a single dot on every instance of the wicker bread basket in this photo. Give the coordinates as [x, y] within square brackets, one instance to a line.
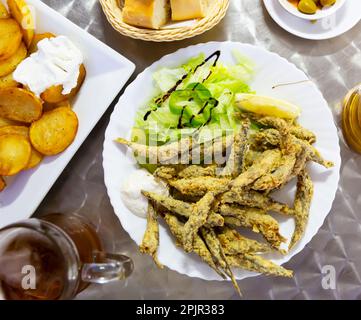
[113, 11]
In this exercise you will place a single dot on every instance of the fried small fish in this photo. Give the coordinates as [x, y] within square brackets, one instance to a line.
[233, 243]
[255, 219]
[150, 241]
[301, 161]
[232, 222]
[199, 247]
[251, 157]
[291, 144]
[182, 208]
[197, 219]
[196, 171]
[282, 125]
[292, 128]
[166, 154]
[302, 206]
[165, 173]
[268, 161]
[278, 177]
[303, 133]
[235, 160]
[256, 263]
[256, 199]
[313, 154]
[177, 195]
[199, 186]
[266, 138]
[212, 151]
[216, 250]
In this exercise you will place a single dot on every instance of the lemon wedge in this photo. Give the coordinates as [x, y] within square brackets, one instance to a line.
[267, 106]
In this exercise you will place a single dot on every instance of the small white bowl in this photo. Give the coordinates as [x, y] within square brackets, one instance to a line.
[320, 14]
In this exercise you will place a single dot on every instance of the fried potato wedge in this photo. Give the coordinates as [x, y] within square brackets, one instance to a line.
[55, 131]
[6, 122]
[8, 81]
[22, 14]
[52, 106]
[10, 38]
[2, 184]
[9, 65]
[54, 93]
[36, 157]
[15, 152]
[20, 105]
[4, 14]
[37, 38]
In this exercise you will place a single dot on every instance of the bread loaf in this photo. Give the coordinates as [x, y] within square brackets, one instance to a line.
[146, 13]
[188, 9]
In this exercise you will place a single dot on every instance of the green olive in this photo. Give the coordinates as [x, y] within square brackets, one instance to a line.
[307, 6]
[327, 2]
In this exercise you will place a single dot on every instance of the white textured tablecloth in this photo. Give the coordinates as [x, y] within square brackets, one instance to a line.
[334, 65]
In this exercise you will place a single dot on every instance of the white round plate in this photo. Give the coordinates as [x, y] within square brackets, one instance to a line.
[320, 14]
[271, 69]
[340, 22]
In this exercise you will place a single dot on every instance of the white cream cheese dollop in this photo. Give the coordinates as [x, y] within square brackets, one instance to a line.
[132, 187]
[56, 62]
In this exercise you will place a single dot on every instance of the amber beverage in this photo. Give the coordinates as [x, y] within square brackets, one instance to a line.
[55, 258]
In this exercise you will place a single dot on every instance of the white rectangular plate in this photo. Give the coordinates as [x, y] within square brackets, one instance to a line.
[107, 73]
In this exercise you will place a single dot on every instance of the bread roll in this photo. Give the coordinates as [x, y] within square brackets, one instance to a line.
[188, 9]
[146, 13]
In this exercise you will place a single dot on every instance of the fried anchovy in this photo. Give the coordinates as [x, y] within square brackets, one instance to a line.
[265, 138]
[235, 160]
[251, 157]
[182, 208]
[197, 219]
[166, 154]
[195, 171]
[279, 124]
[302, 206]
[256, 263]
[313, 154]
[200, 186]
[199, 247]
[279, 176]
[233, 243]
[232, 222]
[177, 195]
[291, 143]
[301, 161]
[165, 173]
[268, 161]
[256, 199]
[303, 133]
[212, 150]
[150, 241]
[255, 219]
[216, 250]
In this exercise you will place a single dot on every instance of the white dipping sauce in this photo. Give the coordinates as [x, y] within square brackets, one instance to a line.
[132, 187]
[56, 62]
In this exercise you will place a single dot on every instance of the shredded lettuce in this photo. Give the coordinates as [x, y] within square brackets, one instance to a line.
[202, 102]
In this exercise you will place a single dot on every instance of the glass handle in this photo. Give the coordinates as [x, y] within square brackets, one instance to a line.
[110, 267]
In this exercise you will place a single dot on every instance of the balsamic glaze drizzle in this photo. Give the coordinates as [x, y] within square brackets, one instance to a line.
[145, 118]
[180, 126]
[205, 105]
[162, 99]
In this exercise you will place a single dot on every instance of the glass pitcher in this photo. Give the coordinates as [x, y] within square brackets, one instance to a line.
[55, 257]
